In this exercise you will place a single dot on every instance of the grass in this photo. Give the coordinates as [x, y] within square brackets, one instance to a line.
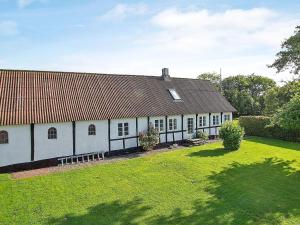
[258, 184]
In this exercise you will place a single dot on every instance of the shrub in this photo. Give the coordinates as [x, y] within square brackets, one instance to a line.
[288, 117]
[232, 135]
[149, 139]
[255, 125]
[261, 126]
[201, 135]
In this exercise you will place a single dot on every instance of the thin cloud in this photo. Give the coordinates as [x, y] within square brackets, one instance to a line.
[233, 30]
[121, 11]
[8, 28]
[25, 3]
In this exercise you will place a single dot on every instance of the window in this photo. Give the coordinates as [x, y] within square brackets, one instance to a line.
[202, 121]
[92, 129]
[226, 117]
[174, 94]
[159, 125]
[123, 129]
[215, 120]
[126, 129]
[190, 125]
[173, 124]
[52, 133]
[3, 137]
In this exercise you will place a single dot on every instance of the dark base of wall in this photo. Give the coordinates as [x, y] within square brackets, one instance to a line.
[54, 162]
[29, 165]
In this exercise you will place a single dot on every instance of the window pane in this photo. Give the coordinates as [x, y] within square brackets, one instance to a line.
[3, 137]
[126, 129]
[204, 121]
[201, 121]
[120, 129]
[170, 124]
[174, 94]
[92, 129]
[161, 125]
[175, 124]
[156, 125]
[190, 124]
[52, 133]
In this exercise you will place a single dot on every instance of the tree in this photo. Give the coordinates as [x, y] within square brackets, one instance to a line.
[289, 56]
[246, 93]
[213, 77]
[276, 97]
[288, 116]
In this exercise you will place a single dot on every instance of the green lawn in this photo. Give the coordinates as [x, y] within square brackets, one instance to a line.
[258, 184]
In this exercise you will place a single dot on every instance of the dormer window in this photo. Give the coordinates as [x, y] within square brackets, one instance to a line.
[174, 94]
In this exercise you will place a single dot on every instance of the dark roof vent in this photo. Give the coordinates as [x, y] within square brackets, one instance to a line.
[165, 74]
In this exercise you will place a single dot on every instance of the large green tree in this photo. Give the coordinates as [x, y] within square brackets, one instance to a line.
[276, 97]
[288, 116]
[289, 56]
[213, 77]
[246, 93]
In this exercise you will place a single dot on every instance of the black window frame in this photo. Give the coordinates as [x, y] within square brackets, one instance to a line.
[4, 137]
[52, 133]
[92, 130]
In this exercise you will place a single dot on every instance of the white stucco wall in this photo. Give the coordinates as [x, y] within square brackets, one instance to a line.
[50, 148]
[91, 143]
[129, 143]
[178, 135]
[18, 149]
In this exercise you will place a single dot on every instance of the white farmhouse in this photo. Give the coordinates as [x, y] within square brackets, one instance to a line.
[46, 115]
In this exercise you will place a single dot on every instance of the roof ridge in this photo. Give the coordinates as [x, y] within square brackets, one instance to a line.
[94, 73]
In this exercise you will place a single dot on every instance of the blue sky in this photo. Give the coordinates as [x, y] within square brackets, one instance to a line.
[141, 37]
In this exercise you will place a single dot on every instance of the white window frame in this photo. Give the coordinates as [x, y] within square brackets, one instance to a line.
[172, 124]
[202, 121]
[190, 121]
[215, 120]
[159, 125]
[123, 129]
[226, 117]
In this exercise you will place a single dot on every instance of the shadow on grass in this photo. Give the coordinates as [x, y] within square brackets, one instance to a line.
[107, 213]
[262, 193]
[259, 193]
[209, 153]
[275, 142]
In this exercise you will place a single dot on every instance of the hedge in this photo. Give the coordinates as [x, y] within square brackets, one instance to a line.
[260, 126]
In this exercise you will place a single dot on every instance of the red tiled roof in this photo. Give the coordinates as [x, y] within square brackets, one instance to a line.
[43, 97]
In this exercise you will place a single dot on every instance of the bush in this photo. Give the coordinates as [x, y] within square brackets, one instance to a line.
[261, 126]
[201, 135]
[149, 139]
[232, 135]
[254, 125]
[288, 117]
